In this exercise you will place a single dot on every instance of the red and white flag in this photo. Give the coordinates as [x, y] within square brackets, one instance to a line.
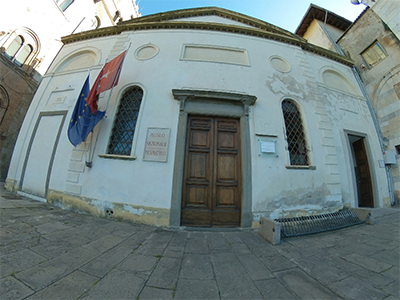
[107, 79]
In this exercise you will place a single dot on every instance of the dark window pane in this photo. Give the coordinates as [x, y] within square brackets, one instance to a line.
[297, 145]
[125, 122]
[64, 4]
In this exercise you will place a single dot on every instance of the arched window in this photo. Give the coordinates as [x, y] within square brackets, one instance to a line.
[19, 50]
[295, 136]
[14, 46]
[23, 54]
[125, 122]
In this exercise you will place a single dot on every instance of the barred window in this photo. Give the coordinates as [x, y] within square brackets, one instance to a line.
[295, 136]
[125, 122]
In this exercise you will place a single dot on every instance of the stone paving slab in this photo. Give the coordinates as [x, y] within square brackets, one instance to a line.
[70, 287]
[49, 253]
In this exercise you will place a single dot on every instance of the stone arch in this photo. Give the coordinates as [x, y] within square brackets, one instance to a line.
[393, 73]
[79, 59]
[336, 80]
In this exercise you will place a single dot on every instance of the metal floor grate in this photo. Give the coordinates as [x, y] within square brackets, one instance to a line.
[320, 223]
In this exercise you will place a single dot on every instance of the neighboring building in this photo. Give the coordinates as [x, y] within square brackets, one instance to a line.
[374, 46]
[17, 88]
[30, 38]
[218, 119]
[322, 27]
[388, 11]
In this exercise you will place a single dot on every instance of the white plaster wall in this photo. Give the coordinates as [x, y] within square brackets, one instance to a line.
[69, 85]
[275, 188]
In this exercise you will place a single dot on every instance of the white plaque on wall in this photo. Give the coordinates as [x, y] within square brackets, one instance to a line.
[267, 147]
[156, 147]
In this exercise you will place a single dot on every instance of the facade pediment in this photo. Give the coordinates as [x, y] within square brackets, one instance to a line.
[211, 15]
[214, 19]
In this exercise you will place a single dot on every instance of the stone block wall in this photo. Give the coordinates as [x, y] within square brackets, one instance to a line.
[18, 89]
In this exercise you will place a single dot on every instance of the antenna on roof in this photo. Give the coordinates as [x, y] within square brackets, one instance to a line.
[356, 2]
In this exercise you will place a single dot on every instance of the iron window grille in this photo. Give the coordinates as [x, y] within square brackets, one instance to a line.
[125, 122]
[295, 136]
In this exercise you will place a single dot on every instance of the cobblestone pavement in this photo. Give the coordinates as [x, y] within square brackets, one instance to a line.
[49, 253]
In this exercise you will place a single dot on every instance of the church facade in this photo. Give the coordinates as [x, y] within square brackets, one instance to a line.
[217, 119]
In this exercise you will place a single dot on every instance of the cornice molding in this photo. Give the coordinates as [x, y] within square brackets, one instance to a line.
[163, 21]
[211, 11]
[184, 95]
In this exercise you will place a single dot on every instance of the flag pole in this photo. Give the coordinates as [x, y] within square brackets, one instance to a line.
[89, 163]
[87, 149]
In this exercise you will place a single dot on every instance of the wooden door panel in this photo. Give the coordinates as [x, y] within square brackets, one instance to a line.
[196, 217]
[225, 218]
[211, 187]
[199, 139]
[197, 195]
[200, 122]
[227, 124]
[227, 168]
[226, 141]
[199, 166]
[226, 196]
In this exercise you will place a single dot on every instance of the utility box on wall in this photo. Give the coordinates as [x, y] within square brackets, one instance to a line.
[390, 158]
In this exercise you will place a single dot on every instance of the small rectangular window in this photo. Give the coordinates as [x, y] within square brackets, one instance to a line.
[373, 54]
[397, 149]
[64, 4]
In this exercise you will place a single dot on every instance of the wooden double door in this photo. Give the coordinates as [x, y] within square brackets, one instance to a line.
[211, 193]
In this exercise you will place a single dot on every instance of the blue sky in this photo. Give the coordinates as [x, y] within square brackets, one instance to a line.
[286, 14]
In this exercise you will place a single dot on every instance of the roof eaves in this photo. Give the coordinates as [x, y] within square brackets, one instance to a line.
[313, 12]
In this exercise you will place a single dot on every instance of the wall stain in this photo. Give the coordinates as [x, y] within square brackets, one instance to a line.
[296, 203]
[120, 211]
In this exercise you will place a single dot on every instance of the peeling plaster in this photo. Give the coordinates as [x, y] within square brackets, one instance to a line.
[296, 203]
[283, 84]
[134, 211]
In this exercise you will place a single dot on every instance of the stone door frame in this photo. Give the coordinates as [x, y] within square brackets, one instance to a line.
[218, 104]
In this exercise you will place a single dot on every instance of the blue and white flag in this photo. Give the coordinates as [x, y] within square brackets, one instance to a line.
[83, 120]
